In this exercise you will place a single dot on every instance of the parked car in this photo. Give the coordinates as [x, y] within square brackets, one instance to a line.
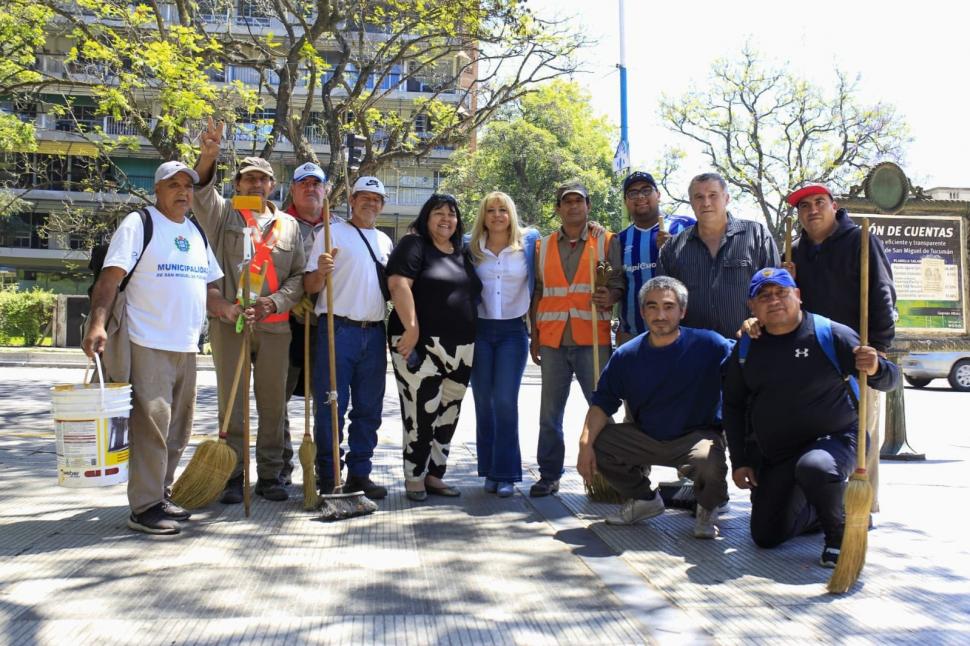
[919, 368]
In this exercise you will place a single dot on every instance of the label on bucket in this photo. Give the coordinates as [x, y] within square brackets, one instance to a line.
[89, 443]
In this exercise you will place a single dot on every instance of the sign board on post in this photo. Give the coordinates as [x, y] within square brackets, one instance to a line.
[929, 264]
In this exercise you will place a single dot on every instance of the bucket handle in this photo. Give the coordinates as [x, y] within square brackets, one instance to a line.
[97, 364]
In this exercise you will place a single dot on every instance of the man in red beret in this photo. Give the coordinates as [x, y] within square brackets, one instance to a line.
[825, 261]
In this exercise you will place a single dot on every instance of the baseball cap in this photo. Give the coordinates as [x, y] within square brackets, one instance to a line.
[638, 176]
[805, 191]
[769, 276]
[309, 169]
[257, 164]
[170, 168]
[571, 187]
[369, 184]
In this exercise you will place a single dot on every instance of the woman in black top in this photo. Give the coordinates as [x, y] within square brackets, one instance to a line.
[431, 333]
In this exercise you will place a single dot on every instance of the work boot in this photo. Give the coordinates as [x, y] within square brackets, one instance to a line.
[233, 494]
[271, 489]
[830, 556]
[543, 488]
[370, 488]
[286, 475]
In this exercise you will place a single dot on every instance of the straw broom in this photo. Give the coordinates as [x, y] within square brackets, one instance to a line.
[858, 493]
[206, 475]
[308, 448]
[598, 489]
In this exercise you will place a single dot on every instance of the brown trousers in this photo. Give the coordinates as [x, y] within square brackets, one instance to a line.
[270, 354]
[163, 402]
[622, 450]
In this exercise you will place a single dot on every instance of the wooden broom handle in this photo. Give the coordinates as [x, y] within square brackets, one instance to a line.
[224, 431]
[863, 340]
[334, 419]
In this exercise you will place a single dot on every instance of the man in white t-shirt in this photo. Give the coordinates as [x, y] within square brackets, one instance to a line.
[360, 352]
[165, 309]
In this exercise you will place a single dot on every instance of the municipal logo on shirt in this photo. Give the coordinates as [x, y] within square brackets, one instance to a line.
[181, 244]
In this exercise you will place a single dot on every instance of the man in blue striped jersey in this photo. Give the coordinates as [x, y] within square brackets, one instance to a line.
[640, 243]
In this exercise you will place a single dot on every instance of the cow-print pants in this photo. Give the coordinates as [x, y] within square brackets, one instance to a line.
[431, 387]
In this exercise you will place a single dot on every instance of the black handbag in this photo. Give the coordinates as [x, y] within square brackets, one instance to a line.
[381, 270]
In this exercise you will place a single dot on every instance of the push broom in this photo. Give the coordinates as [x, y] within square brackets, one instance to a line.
[858, 493]
[598, 489]
[337, 505]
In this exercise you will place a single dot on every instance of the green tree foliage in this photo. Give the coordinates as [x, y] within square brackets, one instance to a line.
[24, 314]
[766, 131]
[534, 145]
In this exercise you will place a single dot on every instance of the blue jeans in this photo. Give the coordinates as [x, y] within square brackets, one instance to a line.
[558, 367]
[361, 359]
[501, 348]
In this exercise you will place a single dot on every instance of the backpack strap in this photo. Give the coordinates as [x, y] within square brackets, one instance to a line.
[201, 232]
[823, 332]
[147, 228]
[743, 346]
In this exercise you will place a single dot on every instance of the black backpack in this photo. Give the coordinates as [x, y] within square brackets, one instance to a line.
[100, 252]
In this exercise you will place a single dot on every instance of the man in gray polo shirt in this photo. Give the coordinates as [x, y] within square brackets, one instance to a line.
[716, 258]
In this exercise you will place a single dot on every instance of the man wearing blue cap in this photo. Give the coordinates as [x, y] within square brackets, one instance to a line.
[308, 195]
[639, 243]
[790, 388]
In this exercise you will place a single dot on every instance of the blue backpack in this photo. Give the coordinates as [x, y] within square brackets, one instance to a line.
[823, 333]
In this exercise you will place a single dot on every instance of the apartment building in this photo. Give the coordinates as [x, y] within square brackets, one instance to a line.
[67, 173]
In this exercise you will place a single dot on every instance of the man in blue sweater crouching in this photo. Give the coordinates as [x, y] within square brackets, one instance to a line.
[670, 377]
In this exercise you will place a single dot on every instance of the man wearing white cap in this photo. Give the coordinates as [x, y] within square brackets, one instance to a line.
[275, 270]
[307, 194]
[151, 296]
[359, 308]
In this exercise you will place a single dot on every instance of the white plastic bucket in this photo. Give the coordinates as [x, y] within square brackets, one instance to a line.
[91, 427]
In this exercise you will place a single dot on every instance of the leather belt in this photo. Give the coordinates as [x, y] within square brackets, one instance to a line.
[346, 321]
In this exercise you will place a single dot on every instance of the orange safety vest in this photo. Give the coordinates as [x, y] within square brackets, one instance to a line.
[263, 255]
[562, 301]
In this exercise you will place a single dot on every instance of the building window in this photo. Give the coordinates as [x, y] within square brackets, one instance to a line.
[954, 195]
[251, 13]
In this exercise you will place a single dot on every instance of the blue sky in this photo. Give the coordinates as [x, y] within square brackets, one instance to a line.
[916, 61]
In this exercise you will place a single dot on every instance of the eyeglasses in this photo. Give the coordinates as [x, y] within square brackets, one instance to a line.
[768, 295]
[643, 192]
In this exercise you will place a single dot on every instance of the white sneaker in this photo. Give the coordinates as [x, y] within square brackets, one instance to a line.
[633, 511]
[704, 526]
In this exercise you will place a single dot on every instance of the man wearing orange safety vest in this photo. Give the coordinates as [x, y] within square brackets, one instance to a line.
[276, 285]
[562, 320]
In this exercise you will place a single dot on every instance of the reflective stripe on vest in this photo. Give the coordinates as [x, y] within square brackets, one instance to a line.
[563, 302]
[263, 255]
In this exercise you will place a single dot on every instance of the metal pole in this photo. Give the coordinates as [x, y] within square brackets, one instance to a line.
[624, 123]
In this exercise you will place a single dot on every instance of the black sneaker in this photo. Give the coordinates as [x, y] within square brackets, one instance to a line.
[271, 489]
[325, 487]
[370, 488]
[830, 556]
[233, 494]
[153, 521]
[173, 511]
[543, 488]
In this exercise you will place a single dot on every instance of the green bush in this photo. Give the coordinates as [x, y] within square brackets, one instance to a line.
[24, 314]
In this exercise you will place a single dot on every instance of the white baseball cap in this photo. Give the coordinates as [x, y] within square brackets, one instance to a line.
[309, 169]
[170, 168]
[369, 184]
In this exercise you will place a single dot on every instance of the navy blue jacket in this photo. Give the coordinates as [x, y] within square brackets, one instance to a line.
[828, 278]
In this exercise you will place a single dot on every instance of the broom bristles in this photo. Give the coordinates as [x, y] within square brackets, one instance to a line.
[598, 489]
[340, 506]
[855, 539]
[205, 476]
[308, 455]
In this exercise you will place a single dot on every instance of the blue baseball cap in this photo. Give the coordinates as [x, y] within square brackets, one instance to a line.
[309, 169]
[769, 276]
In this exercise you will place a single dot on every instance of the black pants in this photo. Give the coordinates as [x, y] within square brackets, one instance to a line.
[795, 495]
